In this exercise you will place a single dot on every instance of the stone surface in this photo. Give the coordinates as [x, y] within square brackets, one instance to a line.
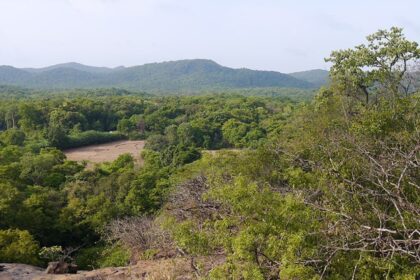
[16, 271]
[61, 268]
[178, 268]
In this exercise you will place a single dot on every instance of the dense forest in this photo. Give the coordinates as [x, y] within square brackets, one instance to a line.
[271, 187]
[165, 77]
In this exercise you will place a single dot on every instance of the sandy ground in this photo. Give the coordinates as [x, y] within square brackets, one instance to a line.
[106, 152]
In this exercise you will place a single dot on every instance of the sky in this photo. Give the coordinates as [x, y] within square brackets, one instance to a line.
[279, 35]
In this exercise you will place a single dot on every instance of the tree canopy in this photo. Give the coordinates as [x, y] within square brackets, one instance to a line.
[379, 68]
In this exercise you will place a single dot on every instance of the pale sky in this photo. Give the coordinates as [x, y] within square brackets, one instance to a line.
[285, 36]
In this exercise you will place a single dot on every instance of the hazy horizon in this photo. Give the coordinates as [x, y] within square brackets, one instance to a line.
[114, 67]
[286, 36]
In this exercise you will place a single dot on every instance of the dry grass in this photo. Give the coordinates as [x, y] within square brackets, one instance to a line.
[140, 234]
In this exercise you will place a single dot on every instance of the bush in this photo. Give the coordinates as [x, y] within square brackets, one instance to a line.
[87, 258]
[18, 246]
[142, 235]
[179, 155]
[114, 256]
[53, 253]
[102, 256]
[91, 137]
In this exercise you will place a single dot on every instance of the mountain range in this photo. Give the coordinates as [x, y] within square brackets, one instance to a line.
[181, 75]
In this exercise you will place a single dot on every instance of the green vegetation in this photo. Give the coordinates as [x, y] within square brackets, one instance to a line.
[181, 76]
[56, 202]
[18, 246]
[274, 188]
[294, 94]
[90, 137]
[316, 77]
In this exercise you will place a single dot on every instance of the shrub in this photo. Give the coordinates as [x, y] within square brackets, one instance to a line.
[141, 234]
[87, 258]
[18, 246]
[53, 253]
[114, 256]
[91, 137]
[102, 256]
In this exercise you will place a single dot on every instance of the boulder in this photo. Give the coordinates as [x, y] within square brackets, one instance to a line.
[61, 267]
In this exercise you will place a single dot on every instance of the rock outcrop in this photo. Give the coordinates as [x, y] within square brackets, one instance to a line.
[162, 269]
[61, 268]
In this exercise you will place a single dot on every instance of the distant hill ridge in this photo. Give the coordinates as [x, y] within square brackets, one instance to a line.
[316, 77]
[181, 75]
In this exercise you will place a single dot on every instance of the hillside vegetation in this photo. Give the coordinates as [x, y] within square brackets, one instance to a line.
[232, 186]
[178, 76]
[316, 77]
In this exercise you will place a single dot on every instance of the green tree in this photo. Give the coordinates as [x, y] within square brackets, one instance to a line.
[13, 136]
[376, 68]
[124, 126]
[57, 136]
[9, 203]
[36, 168]
[234, 132]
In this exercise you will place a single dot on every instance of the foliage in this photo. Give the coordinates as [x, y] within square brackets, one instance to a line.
[90, 137]
[13, 136]
[18, 246]
[53, 253]
[377, 68]
[114, 256]
[98, 256]
[61, 204]
[175, 76]
[333, 193]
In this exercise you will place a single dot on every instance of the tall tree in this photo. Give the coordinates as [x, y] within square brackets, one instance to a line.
[376, 68]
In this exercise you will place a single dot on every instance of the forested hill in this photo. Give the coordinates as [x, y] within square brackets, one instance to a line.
[316, 77]
[182, 75]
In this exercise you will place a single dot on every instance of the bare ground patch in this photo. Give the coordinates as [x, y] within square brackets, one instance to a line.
[106, 152]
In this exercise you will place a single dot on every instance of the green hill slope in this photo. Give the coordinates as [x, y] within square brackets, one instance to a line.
[182, 75]
[316, 77]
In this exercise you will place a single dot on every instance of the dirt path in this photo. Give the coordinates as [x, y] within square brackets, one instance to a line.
[106, 152]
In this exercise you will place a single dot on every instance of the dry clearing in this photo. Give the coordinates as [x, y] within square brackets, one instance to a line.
[106, 152]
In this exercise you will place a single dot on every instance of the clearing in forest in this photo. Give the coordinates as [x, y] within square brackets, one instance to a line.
[106, 152]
